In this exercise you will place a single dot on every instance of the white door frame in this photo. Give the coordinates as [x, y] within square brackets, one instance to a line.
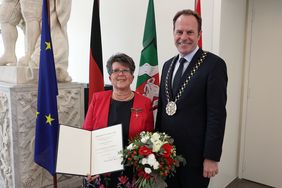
[245, 84]
[246, 167]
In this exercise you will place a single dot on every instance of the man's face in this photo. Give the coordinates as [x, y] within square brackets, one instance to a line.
[186, 34]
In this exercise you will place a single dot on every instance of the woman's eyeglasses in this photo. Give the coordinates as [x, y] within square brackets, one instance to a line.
[117, 71]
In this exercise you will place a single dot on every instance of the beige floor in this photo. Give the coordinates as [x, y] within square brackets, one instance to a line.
[241, 183]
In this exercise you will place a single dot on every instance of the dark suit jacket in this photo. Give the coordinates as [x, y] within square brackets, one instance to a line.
[97, 115]
[198, 125]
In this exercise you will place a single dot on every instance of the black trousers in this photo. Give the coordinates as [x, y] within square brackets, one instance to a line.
[188, 177]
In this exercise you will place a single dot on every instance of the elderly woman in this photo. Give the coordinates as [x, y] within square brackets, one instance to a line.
[121, 105]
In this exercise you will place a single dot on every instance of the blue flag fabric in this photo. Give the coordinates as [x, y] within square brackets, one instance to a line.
[47, 123]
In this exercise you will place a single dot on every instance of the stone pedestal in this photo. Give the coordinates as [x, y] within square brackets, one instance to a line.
[18, 74]
[18, 104]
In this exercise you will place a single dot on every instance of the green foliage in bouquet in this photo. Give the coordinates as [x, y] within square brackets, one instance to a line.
[153, 158]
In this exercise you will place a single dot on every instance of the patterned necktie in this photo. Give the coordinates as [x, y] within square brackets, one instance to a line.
[178, 76]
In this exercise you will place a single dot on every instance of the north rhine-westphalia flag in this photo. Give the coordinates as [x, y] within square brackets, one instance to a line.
[148, 77]
[198, 10]
[96, 79]
[47, 122]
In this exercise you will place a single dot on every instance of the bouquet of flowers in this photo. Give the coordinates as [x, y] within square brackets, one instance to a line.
[153, 158]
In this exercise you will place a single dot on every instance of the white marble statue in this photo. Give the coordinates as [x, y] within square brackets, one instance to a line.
[13, 11]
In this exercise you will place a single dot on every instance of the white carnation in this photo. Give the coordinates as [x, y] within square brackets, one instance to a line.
[144, 161]
[130, 147]
[157, 145]
[156, 165]
[145, 139]
[155, 137]
[151, 159]
[148, 170]
[142, 133]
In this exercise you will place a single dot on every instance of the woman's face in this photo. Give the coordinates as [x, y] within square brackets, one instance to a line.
[121, 76]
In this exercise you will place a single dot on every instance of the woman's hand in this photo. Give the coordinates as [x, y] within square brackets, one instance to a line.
[91, 178]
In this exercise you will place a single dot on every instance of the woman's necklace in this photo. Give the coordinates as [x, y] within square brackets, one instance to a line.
[123, 97]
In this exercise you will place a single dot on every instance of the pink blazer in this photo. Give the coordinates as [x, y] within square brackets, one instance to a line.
[141, 114]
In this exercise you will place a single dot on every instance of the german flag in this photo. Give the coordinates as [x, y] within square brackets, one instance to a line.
[96, 79]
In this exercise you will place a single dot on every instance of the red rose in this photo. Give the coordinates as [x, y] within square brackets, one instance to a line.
[167, 150]
[144, 150]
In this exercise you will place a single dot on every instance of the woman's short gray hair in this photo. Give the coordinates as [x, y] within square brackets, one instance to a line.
[123, 59]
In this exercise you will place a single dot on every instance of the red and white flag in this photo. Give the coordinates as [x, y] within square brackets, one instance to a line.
[198, 10]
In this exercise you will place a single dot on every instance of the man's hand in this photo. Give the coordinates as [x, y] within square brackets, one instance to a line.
[210, 168]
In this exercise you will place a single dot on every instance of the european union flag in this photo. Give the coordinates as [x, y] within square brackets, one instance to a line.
[47, 123]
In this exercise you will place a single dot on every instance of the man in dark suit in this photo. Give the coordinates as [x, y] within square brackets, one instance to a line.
[192, 103]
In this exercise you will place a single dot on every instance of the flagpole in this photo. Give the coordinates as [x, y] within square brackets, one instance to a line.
[49, 20]
[55, 181]
[46, 132]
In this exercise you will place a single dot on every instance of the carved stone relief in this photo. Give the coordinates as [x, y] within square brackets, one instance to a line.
[5, 142]
[20, 133]
[68, 108]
